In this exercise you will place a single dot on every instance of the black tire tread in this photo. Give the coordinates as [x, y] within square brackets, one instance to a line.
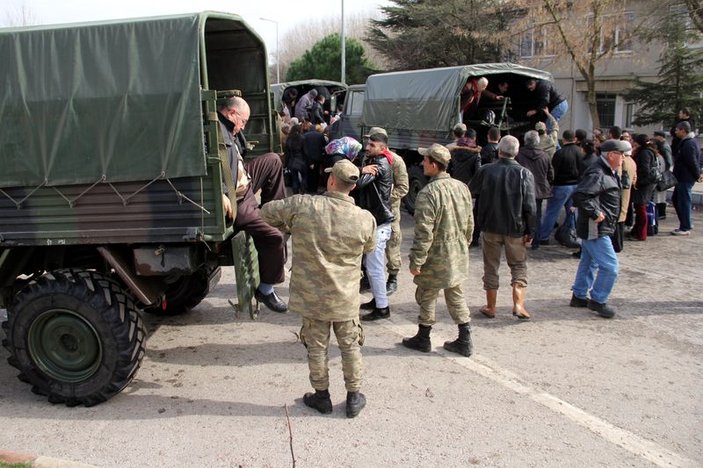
[117, 308]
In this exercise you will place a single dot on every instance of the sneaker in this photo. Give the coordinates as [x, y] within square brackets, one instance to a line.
[578, 302]
[679, 232]
[601, 309]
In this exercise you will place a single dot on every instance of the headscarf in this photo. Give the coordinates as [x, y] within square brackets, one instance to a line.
[347, 146]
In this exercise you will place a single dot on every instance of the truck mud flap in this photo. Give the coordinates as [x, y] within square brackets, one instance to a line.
[246, 272]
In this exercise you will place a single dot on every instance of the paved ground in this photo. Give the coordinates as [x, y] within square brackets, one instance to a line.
[565, 389]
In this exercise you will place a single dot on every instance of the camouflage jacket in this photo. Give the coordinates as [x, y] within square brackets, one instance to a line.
[400, 181]
[444, 224]
[329, 235]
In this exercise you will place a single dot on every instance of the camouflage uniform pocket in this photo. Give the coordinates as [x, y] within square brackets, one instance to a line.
[357, 323]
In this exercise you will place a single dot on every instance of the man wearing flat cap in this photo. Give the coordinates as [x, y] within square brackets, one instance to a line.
[439, 257]
[597, 198]
[329, 235]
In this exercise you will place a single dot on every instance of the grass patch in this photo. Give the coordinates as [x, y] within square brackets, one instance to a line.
[15, 465]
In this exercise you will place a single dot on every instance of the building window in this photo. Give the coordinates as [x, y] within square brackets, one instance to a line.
[538, 42]
[629, 114]
[616, 32]
[605, 104]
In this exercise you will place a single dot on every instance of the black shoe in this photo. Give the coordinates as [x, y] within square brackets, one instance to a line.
[377, 314]
[355, 403]
[371, 305]
[320, 400]
[391, 285]
[463, 344]
[578, 302]
[601, 309]
[364, 284]
[421, 341]
[272, 301]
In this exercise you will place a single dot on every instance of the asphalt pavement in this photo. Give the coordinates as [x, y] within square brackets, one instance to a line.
[567, 388]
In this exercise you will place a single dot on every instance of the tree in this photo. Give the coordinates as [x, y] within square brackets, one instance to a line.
[695, 10]
[584, 32]
[304, 35]
[436, 33]
[324, 61]
[680, 78]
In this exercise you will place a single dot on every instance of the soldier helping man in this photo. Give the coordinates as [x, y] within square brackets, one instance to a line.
[329, 234]
[439, 257]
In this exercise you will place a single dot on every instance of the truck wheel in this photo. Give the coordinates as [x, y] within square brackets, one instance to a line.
[184, 294]
[75, 336]
[417, 181]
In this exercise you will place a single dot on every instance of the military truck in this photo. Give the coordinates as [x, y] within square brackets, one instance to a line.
[111, 188]
[421, 107]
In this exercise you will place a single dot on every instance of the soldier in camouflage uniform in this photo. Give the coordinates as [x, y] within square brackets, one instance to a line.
[439, 257]
[329, 234]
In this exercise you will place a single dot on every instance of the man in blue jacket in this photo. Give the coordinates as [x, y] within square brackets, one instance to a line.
[687, 169]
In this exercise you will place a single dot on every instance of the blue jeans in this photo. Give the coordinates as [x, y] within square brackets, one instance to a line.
[376, 266]
[681, 199]
[597, 255]
[561, 197]
[558, 112]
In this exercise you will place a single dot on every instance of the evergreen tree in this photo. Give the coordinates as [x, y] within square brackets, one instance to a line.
[324, 61]
[418, 34]
[680, 80]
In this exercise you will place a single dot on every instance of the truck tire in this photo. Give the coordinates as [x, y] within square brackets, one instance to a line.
[75, 336]
[417, 181]
[184, 294]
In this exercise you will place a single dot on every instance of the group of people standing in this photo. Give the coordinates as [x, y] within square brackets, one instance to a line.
[355, 223]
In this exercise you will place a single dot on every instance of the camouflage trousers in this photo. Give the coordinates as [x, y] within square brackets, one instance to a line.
[315, 335]
[393, 244]
[456, 305]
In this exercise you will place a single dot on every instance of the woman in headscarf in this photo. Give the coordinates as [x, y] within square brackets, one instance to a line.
[341, 148]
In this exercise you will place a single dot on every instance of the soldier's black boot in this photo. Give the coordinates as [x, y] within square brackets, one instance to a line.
[355, 403]
[391, 284]
[463, 344]
[320, 400]
[421, 341]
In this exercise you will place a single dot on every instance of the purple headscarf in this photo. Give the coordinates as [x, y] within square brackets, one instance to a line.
[347, 146]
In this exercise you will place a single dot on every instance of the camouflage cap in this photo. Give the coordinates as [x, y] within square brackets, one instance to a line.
[376, 131]
[345, 171]
[437, 152]
[540, 126]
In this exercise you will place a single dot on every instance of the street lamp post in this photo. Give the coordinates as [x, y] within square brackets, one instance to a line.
[278, 50]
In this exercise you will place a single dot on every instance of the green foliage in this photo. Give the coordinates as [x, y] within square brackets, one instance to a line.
[324, 61]
[680, 81]
[438, 33]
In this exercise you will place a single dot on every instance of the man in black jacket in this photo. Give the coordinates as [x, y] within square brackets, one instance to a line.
[375, 185]
[544, 94]
[566, 163]
[598, 200]
[687, 169]
[505, 193]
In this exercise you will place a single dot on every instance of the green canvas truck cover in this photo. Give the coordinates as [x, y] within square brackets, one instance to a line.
[427, 100]
[81, 103]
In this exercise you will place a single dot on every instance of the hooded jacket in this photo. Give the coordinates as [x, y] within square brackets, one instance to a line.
[537, 161]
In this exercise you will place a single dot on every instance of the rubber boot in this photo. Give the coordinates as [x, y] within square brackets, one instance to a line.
[463, 344]
[519, 310]
[489, 310]
[391, 284]
[320, 400]
[421, 341]
[355, 403]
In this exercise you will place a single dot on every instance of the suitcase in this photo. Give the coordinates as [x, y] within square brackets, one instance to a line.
[652, 219]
